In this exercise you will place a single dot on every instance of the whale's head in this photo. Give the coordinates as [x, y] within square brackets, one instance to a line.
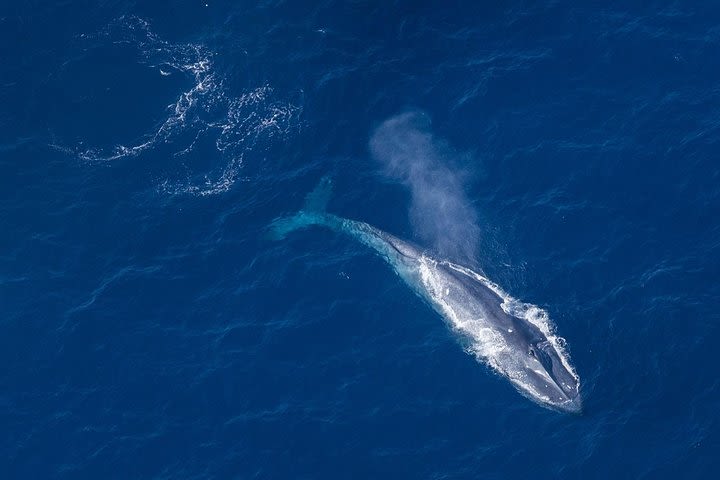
[546, 378]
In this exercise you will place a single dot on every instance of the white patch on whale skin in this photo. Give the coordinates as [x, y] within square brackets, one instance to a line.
[487, 343]
[527, 311]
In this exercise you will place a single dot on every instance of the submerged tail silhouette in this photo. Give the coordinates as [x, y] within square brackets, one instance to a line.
[312, 213]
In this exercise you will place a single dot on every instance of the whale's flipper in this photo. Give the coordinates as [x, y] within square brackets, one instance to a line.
[313, 212]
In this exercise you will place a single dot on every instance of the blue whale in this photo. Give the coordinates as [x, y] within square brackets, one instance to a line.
[515, 339]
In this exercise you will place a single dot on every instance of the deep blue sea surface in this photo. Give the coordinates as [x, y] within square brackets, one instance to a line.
[150, 328]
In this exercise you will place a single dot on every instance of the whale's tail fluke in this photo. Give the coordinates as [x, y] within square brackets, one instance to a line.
[317, 200]
[312, 213]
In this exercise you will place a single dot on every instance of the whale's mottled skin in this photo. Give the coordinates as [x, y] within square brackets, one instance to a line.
[498, 329]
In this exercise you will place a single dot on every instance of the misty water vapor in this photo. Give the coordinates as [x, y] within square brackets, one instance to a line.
[440, 212]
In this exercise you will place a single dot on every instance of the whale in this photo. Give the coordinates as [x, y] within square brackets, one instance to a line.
[516, 340]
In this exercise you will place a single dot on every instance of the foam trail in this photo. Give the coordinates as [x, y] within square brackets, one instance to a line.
[440, 212]
[204, 113]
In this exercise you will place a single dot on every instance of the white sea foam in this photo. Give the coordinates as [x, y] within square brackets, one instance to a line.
[485, 341]
[205, 111]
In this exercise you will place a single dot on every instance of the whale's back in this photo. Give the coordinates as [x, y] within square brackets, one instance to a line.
[474, 305]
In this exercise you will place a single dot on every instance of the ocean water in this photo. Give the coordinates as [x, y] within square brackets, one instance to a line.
[150, 327]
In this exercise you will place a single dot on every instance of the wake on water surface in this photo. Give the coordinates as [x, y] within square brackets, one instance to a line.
[207, 111]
